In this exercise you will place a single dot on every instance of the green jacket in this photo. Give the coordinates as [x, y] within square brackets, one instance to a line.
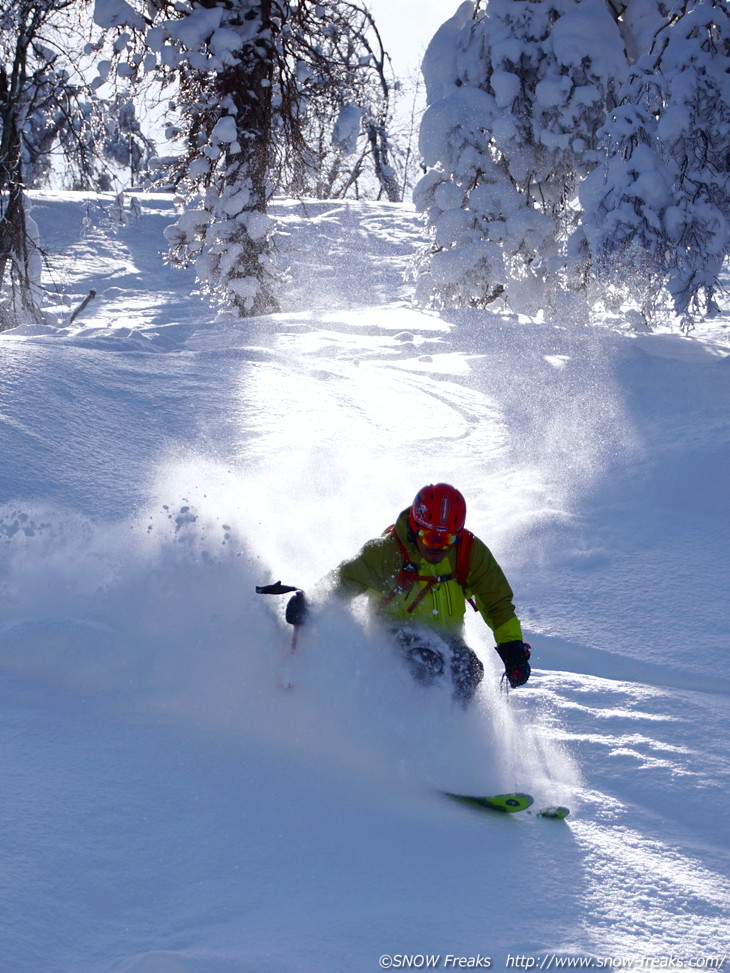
[373, 572]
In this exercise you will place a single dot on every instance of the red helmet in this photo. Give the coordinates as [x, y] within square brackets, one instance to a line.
[438, 507]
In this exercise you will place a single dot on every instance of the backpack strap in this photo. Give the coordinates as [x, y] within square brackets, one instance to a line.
[408, 573]
[463, 563]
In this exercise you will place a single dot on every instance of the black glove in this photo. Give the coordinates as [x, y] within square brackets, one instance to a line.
[516, 667]
[297, 609]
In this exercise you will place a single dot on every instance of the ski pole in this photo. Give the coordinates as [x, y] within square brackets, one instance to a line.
[277, 588]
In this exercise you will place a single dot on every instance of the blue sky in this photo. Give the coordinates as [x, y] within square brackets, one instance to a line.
[407, 26]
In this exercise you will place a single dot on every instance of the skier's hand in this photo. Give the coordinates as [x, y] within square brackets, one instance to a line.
[297, 609]
[515, 656]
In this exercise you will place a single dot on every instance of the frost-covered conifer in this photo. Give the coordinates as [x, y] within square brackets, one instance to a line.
[516, 92]
[658, 212]
[638, 21]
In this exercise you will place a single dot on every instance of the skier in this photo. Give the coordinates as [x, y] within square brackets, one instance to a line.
[419, 576]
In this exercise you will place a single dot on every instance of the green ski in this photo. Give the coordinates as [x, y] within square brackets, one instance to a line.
[506, 803]
[509, 804]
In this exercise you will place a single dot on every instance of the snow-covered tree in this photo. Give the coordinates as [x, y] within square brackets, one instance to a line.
[345, 108]
[257, 80]
[516, 93]
[638, 21]
[658, 213]
[123, 144]
[223, 57]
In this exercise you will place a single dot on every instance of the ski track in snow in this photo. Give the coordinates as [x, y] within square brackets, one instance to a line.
[168, 808]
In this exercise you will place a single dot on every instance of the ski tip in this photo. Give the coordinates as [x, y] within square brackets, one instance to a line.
[557, 812]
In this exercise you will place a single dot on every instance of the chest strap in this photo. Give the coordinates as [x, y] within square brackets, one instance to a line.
[408, 574]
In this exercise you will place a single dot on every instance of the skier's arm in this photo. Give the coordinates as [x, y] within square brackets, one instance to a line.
[373, 569]
[494, 600]
[493, 595]
[348, 580]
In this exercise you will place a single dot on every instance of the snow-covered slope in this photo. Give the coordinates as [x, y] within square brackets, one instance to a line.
[167, 807]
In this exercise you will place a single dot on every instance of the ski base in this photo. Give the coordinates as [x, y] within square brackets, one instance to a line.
[506, 803]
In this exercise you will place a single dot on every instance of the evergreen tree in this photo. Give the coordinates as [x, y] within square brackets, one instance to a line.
[638, 21]
[657, 214]
[516, 93]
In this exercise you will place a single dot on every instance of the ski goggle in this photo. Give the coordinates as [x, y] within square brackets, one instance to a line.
[436, 538]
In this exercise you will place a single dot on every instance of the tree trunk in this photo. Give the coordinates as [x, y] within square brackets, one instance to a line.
[249, 84]
[15, 284]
